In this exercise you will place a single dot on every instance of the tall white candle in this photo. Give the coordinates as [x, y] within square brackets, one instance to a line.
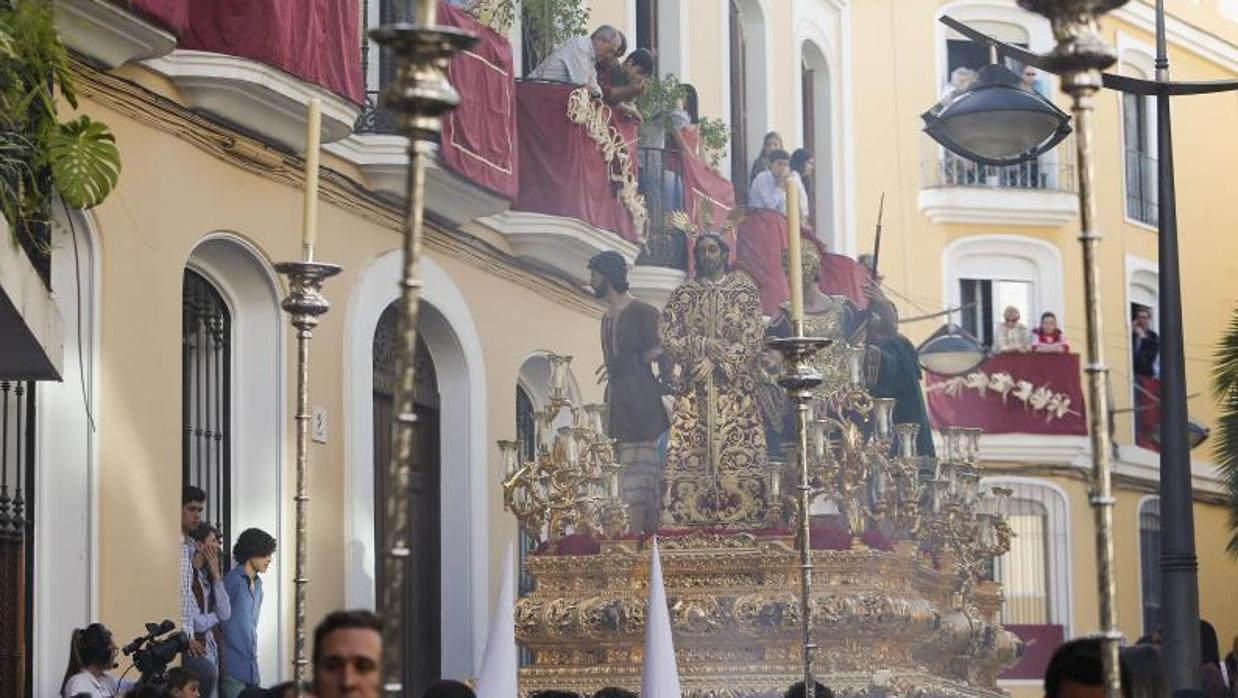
[309, 215]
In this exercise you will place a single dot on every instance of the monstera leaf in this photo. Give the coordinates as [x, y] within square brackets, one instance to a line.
[85, 162]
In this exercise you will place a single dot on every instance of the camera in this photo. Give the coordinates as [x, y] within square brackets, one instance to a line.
[152, 654]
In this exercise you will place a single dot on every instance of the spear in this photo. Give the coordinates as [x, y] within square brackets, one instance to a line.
[881, 208]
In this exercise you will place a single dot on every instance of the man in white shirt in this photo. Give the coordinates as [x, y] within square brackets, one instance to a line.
[575, 60]
[767, 189]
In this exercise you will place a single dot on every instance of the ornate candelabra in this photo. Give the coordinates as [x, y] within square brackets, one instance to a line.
[572, 481]
[304, 304]
[1080, 56]
[799, 379]
[419, 95]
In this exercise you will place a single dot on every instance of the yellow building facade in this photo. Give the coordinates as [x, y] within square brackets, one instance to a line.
[211, 186]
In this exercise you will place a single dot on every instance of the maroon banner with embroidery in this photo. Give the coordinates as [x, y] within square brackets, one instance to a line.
[479, 136]
[1012, 394]
[315, 40]
[761, 238]
[705, 189]
[1039, 644]
[562, 171]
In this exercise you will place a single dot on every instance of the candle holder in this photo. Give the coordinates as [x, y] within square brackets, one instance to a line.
[304, 305]
[418, 97]
[799, 378]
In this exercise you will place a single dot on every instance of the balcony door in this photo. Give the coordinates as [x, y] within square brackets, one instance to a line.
[739, 100]
[423, 574]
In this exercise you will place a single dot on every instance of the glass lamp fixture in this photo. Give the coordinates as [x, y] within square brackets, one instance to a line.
[996, 121]
[950, 352]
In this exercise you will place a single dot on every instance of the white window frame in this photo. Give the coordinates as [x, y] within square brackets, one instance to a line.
[1057, 528]
[1005, 257]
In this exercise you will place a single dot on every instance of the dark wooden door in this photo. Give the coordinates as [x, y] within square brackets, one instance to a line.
[739, 118]
[423, 626]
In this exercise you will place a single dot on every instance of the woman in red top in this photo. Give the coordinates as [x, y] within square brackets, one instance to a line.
[1048, 338]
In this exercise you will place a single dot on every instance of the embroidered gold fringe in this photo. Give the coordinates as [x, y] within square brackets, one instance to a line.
[592, 113]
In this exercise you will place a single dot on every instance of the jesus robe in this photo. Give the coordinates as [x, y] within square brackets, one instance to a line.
[715, 459]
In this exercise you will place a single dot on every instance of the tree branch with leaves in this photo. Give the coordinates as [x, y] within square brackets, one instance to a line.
[1225, 388]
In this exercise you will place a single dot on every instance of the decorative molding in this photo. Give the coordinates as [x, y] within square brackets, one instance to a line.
[998, 206]
[383, 159]
[255, 96]
[1133, 467]
[563, 244]
[156, 111]
[1198, 41]
[654, 284]
[29, 319]
[107, 34]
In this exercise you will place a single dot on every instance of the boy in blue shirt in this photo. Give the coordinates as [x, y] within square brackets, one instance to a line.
[253, 551]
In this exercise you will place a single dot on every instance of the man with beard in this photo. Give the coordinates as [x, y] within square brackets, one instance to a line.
[630, 345]
[713, 334]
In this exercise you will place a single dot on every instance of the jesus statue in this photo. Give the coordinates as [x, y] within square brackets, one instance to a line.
[712, 333]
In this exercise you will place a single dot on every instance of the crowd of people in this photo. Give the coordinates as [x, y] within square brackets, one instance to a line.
[1012, 336]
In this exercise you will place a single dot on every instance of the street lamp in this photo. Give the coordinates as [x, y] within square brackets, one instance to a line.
[950, 351]
[1180, 594]
[996, 121]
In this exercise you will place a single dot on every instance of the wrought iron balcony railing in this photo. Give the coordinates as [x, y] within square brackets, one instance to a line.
[950, 170]
[661, 183]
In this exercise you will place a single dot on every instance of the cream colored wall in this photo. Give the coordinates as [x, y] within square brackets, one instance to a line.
[170, 195]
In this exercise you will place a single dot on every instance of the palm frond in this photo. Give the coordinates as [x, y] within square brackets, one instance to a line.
[1225, 388]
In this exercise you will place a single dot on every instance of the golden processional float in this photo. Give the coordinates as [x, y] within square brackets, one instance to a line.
[899, 604]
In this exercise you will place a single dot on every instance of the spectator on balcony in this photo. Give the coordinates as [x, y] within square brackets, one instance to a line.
[768, 188]
[1011, 335]
[771, 143]
[576, 60]
[1048, 338]
[628, 80]
[1145, 343]
[804, 164]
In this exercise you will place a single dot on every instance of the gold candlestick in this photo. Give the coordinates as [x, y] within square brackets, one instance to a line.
[419, 96]
[799, 378]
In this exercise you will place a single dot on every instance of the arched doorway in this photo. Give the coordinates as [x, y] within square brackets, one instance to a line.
[423, 626]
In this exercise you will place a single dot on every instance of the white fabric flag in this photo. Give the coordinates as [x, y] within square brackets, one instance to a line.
[660, 676]
[499, 664]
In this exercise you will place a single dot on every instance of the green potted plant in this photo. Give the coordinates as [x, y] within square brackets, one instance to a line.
[40, 156]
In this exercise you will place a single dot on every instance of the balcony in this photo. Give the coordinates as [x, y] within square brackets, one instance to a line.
[246, 66]
[1038, 193]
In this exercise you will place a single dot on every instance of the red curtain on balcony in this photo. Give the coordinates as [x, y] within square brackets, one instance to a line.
[562, 171]
[760, 239]
[704, 188]
[315, 40]
[479, 136]
[1012, 394]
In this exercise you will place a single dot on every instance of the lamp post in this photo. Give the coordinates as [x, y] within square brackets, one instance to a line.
[1179, 590]
[419, 95]
[1080, 56]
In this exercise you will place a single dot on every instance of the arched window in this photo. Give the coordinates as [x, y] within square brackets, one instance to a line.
[985, 274]
[1150, 562]
[206, 397]
[1139, 135]
[1035, 572]
[815, 111]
